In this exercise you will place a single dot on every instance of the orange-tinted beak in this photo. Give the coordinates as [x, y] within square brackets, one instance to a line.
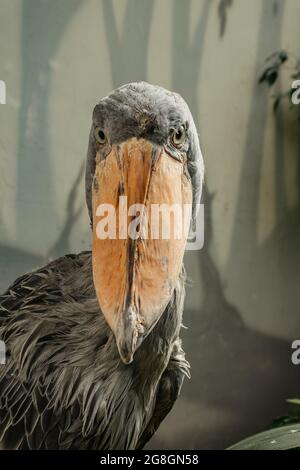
[137, 253]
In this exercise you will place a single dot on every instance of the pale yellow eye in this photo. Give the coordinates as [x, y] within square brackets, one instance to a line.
[178, 136]
[100, 136]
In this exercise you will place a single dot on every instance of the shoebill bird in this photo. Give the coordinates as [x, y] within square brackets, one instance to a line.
[94, 356]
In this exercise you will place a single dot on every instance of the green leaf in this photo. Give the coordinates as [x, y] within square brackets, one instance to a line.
[294, 401]
[283, 438]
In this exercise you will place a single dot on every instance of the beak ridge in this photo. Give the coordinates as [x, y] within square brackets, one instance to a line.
[129, 330]
[134, 278]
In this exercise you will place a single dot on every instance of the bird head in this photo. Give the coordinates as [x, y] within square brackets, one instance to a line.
[143, 183]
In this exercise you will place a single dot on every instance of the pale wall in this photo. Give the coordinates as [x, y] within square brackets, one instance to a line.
[57, 59]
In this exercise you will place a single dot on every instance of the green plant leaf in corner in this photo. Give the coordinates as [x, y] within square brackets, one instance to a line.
[282, 438]
[294, 401]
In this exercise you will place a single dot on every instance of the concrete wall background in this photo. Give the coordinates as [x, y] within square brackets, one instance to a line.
[242, 309]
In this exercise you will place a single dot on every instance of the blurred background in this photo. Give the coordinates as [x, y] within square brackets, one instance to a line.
[58, 58]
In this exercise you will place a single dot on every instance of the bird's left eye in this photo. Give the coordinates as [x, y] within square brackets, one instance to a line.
[100, 136]
[178, 136]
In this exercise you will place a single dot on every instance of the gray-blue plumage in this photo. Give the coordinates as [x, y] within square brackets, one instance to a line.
[64, 385]
[151, 112]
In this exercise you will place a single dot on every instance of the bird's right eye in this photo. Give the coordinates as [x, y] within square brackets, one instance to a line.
[100, 136]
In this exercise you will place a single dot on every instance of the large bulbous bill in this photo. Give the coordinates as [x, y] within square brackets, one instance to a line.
[142, 200]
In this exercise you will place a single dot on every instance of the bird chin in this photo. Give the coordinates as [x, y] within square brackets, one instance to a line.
[142, 200]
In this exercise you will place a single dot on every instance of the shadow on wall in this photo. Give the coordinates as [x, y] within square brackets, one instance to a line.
[240, 377]
[43, 25]
[128, 56]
